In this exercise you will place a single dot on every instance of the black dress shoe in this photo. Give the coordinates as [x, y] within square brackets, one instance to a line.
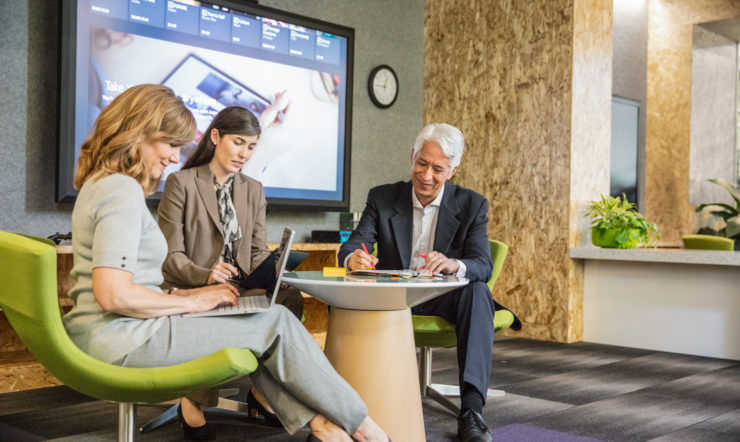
[204, 432]
[472, 428]
[259, 414]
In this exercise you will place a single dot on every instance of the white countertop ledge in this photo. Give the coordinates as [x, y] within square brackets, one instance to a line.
[672, 256]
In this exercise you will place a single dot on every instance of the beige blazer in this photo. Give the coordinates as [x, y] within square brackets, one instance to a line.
[190, 220]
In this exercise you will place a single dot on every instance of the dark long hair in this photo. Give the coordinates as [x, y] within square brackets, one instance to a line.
[234, 120]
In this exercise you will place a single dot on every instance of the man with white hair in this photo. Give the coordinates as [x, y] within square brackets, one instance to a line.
[432, 225]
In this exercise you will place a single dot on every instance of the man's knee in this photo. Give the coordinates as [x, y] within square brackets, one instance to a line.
[477, 292]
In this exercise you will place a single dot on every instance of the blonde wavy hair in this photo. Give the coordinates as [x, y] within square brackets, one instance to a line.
[142, 114]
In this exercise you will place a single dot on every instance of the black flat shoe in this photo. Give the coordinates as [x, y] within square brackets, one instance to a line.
[259, 414]
[472, 428]
[204, 432]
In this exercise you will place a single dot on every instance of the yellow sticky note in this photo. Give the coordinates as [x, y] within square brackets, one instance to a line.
[335, 271]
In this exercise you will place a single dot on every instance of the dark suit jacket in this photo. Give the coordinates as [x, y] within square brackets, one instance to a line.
[461, 233]
[190, 220]
[388, 219]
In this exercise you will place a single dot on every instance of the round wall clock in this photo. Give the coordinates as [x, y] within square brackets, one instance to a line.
[382, 85]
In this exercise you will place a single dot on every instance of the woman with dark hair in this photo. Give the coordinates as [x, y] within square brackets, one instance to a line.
[122, 316]
[213, 217]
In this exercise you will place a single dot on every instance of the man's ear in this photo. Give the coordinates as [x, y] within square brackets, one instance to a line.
[453, 172]
[215, 136]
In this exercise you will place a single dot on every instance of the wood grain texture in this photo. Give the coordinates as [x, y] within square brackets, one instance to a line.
[667, 137]
[9, 341]
[20, 371]
[503, 72]
[591, 136]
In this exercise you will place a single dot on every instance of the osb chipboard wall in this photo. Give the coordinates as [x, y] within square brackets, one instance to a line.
[502, 71]
[591, 133]
[667, 137]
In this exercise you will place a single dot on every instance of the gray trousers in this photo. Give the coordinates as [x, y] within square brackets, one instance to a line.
[293, 374]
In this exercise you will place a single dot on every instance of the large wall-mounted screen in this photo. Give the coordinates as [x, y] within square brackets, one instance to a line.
[213, 55]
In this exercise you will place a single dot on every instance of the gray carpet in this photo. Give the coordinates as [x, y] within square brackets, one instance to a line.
[554, 392]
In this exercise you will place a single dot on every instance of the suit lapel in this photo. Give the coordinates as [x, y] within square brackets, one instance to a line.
[402, 223]
[240, 200]
[447, 222]
[204, 182]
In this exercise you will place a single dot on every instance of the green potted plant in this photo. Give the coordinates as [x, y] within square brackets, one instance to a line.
[616, 224]
[729, 214]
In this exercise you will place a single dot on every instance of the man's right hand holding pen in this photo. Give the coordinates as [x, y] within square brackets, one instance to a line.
[361, 260]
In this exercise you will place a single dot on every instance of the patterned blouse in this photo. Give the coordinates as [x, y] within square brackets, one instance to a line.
[232, 230]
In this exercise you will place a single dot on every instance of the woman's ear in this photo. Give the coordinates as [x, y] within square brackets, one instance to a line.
[215, 136]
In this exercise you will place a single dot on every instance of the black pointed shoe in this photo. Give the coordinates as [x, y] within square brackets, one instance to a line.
[259, 414]
[204, 432]
[472, 428]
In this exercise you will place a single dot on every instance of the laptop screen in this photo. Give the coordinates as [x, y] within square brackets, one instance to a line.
[282, 258]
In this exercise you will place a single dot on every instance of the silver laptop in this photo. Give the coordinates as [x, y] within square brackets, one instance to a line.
[255, 304]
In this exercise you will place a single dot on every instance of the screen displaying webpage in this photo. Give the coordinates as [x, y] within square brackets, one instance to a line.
[214, 56]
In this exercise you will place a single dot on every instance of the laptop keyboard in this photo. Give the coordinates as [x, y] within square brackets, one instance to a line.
[246, 303]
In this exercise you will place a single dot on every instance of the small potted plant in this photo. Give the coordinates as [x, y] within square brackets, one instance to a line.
[730, 215]
[616, 224]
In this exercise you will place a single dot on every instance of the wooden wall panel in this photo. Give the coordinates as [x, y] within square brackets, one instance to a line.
[591, 135]
[502, 71]
[667, 138]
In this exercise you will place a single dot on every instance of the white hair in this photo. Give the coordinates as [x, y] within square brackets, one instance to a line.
[449, 138]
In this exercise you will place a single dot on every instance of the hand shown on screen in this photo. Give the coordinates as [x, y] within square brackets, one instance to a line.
[273, 139]
[275, 113]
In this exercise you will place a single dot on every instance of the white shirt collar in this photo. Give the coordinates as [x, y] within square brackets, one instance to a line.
[437, 201]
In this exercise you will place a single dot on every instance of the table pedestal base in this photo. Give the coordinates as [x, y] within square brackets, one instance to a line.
[374, 351]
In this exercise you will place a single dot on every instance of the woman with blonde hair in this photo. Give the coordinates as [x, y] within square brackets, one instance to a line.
[120, 314]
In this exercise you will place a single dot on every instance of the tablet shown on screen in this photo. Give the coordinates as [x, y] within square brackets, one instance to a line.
[206, 90]
[217, 54]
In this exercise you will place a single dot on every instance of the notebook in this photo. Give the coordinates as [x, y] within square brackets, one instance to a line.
[405, 274]
[255, 304]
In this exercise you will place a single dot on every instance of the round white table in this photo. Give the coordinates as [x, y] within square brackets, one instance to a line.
[370, 341]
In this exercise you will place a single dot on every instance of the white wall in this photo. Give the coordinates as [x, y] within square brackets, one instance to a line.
[683, 308]
[713, 152]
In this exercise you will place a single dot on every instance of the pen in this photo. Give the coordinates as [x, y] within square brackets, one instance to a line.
[372, 265]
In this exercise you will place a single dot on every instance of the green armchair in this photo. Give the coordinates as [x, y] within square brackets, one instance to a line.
[28, 297]
[433, 331]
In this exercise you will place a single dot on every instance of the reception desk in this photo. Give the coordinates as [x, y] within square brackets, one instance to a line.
[675, 300]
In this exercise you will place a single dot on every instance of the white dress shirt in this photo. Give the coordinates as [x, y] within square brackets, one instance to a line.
[425, 224]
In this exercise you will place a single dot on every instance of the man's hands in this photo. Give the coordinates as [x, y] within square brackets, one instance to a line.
[360, 260]
[221, 273]
[209, 297]
[436, 262]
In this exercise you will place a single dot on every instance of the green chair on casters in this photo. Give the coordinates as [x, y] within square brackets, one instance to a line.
[28, 297]
[433, 331]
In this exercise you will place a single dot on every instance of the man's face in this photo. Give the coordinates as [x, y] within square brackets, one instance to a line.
[430, 168]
